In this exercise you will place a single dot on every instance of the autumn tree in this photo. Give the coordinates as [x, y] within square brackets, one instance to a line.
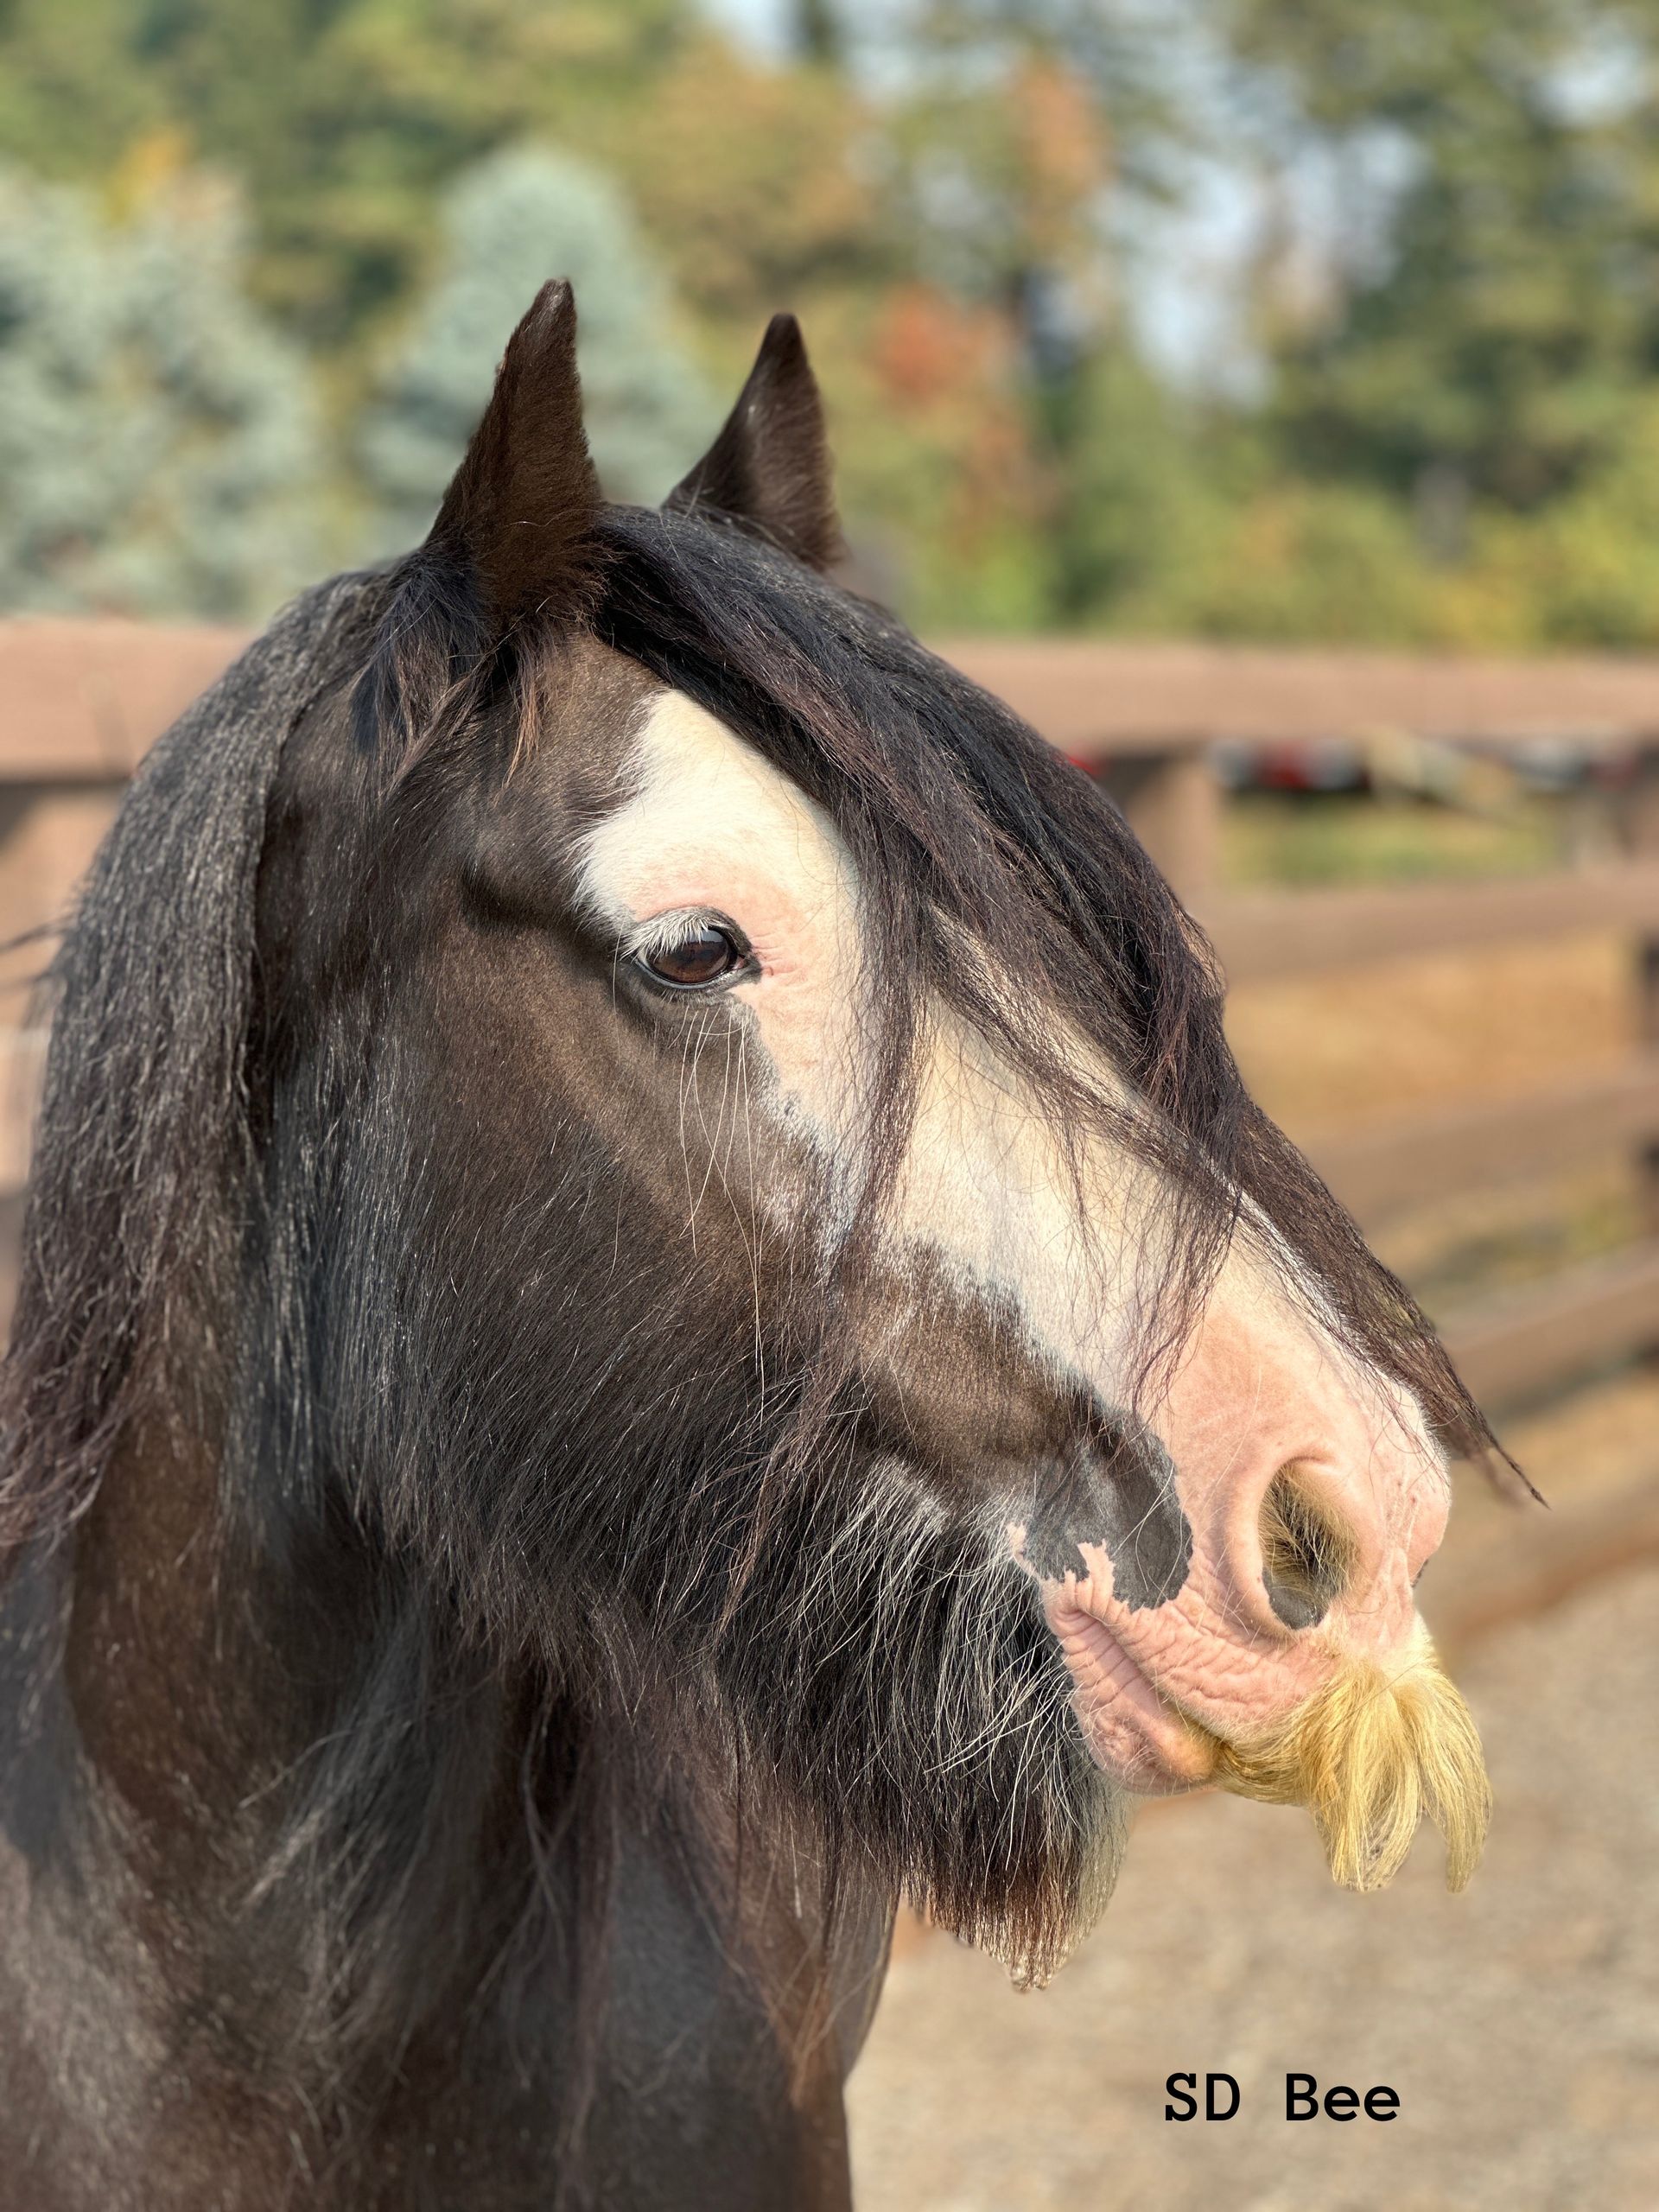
[342, 119]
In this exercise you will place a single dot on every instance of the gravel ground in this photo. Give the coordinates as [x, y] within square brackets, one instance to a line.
[1519, 2023]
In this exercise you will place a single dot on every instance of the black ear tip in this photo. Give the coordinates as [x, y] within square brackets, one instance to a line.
[551, 314]
[769, 467]
[525, 493]
[547, 327]
[783, 346]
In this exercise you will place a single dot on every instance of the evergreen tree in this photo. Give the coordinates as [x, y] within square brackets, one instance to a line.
[1130, 503]
[508, 225]
[1492, 342]
[158, 449]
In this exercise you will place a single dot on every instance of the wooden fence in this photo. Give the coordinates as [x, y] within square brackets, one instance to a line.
[79, 702]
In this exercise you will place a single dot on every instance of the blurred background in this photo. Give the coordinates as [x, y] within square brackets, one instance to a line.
[1262, 394]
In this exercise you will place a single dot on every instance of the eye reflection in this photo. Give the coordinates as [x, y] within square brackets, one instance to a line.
[702, 955]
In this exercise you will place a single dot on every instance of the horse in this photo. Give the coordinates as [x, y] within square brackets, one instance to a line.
[652, 1317]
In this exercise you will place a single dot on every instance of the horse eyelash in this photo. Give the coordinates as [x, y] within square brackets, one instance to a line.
[660, 930]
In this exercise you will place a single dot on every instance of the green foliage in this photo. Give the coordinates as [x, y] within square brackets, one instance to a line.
[1270, 838]
[341, 118]
[1455, 441]
[754, 185]
[1321, 563]
[1504, 333]
[507, 227]
[1584, 573]
[1132, 512]
[157, 440]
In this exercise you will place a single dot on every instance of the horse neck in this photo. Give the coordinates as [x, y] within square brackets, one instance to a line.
[449, 1959]
[263, 1727]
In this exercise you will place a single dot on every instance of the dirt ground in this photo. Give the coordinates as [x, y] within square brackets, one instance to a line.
[1518, 2023]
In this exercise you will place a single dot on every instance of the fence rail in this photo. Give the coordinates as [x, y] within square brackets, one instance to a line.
[1376, 1173]
[79, 702]
[1270, 935]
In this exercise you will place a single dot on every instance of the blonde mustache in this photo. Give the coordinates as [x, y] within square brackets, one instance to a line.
[1372, 1754]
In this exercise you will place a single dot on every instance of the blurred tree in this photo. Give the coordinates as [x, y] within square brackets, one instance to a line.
[759, 185]
[936, 469]
[342, 117]
[1011, 173]
[1582, 572]
[1021, 126]
[507, 227]
[752, 182]
[1135, 497]
[818, 31]
[1329, 563]
[1454, 438]
[158, 448]
[1490, 339]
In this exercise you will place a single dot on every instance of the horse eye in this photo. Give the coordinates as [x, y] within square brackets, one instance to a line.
[706, 954]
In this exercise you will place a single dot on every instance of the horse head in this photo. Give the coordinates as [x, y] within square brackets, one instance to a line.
[612, 1081]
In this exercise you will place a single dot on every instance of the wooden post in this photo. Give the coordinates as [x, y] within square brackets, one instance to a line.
[1173, 803]
[1639, 808]
[1647, 986]
[1639, 826]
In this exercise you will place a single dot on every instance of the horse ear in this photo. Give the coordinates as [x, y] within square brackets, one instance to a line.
[524, 499]
[769, 469]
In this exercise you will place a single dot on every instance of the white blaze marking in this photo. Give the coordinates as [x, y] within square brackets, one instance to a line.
[714, 825]
[986, 1183]
[1075, 1242]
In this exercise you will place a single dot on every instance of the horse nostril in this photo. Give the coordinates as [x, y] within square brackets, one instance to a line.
[1307, 1556]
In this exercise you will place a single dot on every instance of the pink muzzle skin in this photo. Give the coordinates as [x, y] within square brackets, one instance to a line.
[1257, 1396]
